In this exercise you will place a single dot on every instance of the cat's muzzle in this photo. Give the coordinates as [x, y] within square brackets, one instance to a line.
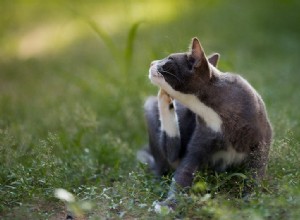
[153, 71]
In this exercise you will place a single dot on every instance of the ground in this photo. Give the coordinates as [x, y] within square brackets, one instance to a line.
[73, 79]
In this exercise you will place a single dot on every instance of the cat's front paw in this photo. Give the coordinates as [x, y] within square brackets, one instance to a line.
[165, 207]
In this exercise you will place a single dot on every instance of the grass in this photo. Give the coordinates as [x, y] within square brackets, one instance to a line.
[73, 78]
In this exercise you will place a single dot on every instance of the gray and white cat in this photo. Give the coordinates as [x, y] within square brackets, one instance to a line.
[203, 117]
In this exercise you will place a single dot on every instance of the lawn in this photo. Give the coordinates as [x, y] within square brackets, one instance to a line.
[73, 79]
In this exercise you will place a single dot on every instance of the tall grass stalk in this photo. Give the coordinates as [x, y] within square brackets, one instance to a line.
[123, 57]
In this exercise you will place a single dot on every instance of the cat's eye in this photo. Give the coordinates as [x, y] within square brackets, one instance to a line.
[170, 58]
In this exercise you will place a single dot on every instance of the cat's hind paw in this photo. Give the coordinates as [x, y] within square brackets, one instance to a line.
[145, 157]
[164, 98]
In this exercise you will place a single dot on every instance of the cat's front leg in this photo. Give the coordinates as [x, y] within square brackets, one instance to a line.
[170, 134]
[183, 178]
[202, 145]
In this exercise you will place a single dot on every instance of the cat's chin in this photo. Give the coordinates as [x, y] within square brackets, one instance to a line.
[156, 78]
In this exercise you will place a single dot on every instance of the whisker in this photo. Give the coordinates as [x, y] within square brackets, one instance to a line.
[171, 74]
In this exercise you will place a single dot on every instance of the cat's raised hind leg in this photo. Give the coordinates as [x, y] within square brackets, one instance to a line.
[157, 163]
[170, 142]
[163, 131]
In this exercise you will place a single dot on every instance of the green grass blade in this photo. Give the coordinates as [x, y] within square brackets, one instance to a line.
[130, 43]
[105, 38]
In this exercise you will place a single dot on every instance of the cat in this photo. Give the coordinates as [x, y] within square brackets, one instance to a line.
[203, 117]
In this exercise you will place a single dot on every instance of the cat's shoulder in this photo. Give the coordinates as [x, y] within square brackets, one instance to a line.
[226, 78]
[232, 79]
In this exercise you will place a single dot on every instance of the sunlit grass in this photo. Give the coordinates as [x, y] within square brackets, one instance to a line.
[54, 35]
[46, 38]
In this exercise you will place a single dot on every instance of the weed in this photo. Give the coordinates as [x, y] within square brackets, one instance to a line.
[124, 59]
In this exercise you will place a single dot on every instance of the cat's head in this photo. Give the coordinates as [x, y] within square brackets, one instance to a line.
[183, 72]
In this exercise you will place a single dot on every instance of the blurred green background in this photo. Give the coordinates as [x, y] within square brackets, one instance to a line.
[73, 79]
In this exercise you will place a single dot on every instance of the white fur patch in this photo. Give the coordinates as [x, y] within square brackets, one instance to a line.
[169, 121]
[229, 157]
[211, 118]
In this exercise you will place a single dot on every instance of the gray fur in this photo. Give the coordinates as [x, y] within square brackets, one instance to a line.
[245, 124]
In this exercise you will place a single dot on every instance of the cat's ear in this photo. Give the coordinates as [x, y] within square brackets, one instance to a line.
[197, 52]
[213, 59]
[200, 62]
[196, 49]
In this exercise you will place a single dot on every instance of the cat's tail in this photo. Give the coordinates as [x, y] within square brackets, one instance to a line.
[144, 156]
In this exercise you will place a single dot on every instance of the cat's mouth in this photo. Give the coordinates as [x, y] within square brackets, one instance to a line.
[157, 74]
[154, 75]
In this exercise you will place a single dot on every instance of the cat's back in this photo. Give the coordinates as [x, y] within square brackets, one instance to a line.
[241, 107]
[235, 93]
